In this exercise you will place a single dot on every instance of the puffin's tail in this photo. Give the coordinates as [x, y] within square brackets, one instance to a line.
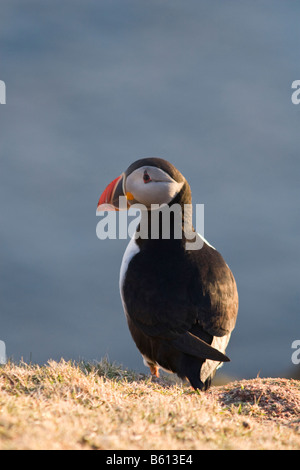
[194, 352]
[196, 347]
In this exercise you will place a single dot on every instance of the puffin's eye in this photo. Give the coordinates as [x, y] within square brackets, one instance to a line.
[146, 177]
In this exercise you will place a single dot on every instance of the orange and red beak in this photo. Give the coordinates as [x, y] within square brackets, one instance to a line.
[109, 200]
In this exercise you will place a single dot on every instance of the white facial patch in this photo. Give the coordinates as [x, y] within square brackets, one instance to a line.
[156, 188]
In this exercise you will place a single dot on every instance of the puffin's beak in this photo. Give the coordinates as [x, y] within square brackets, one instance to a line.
[109, 200]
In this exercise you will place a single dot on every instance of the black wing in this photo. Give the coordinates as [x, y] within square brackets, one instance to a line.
[183, 297]
[216, 292]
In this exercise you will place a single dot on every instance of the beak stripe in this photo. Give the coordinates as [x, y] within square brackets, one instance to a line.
[108, 193]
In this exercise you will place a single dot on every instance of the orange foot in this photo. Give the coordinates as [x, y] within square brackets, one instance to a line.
[154, 371]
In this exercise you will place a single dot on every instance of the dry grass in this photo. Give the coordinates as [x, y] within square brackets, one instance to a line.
[101, 406]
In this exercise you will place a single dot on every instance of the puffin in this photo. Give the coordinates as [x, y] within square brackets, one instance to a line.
[181, 304]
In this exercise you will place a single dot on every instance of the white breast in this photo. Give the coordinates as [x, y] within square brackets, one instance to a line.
[131, 250]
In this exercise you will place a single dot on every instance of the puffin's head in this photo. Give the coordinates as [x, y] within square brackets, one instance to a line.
[147, 181]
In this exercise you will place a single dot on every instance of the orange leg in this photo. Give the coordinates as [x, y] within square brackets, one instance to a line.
[154, 370]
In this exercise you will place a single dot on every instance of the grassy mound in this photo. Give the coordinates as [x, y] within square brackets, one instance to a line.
[69, 405]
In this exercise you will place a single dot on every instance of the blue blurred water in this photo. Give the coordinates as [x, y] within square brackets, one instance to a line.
[93, 86]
